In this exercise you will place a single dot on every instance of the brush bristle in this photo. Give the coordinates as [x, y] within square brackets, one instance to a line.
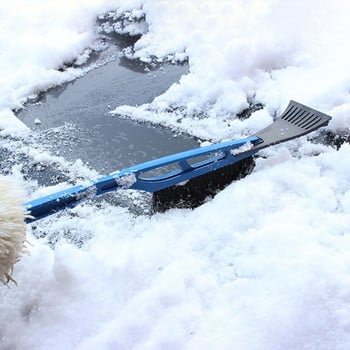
[12, 228]
[196, 191]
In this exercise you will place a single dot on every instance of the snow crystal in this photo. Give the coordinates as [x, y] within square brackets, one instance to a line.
[125, 181]
[247, 146]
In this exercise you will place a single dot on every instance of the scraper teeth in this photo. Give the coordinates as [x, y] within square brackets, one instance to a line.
[298, 116]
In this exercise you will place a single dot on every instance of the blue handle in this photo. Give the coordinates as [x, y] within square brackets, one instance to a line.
[175, 169]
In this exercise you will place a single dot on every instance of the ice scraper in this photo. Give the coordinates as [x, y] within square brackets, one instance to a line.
[177, 171]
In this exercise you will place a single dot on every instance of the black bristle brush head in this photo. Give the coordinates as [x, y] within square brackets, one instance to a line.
[197, 190]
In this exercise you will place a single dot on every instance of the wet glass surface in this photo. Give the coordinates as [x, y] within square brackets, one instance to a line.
[76, 118]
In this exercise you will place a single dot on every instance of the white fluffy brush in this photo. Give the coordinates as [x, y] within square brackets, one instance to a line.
[12, 228]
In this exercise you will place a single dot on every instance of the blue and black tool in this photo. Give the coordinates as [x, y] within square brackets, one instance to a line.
[190, 168]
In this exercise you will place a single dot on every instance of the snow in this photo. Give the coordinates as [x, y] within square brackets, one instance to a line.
[265, 264]
[125, 181]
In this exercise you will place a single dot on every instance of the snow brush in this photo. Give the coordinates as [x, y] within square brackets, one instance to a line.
[175, 172]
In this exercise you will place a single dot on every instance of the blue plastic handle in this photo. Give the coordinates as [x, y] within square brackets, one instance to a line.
[188, 165]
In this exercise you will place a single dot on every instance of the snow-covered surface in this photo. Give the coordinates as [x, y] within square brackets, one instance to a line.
[265, 264]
